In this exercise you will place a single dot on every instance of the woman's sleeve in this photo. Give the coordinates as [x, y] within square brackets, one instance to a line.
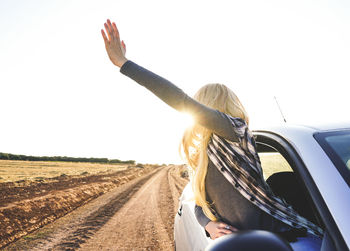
[212, 119]
[202, 219]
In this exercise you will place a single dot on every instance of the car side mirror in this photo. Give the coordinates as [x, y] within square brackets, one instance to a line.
[249, 241]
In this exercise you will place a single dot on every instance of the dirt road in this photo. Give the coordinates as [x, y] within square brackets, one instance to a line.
[138, 215]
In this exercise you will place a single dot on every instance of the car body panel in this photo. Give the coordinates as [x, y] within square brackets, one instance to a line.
[190, 225]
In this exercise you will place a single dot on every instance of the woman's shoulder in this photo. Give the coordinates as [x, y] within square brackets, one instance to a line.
[236, 121]
[238, 125]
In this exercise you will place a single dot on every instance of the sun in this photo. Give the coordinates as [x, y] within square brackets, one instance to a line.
[187, 119]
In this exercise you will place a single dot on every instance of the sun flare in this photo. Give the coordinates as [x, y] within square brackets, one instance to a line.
[187, 119]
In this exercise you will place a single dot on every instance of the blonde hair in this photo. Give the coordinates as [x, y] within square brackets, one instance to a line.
[196, 138]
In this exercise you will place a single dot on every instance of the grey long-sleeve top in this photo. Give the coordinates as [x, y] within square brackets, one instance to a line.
[229, 204]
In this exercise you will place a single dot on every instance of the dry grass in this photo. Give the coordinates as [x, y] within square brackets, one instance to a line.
[14, 170]
[272, 163]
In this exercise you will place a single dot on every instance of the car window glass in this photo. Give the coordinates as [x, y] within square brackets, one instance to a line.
[341, 146]
[336, 144]
[273, 162]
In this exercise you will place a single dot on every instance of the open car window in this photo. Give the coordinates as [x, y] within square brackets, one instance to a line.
[282, 175]
[273, 162]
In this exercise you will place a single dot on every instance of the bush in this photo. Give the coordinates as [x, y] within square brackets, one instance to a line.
[63, 158]
[184, 174]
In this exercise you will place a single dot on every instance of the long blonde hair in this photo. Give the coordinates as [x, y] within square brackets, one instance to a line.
[196, 138]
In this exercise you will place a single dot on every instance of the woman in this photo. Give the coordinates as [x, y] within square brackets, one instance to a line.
[227, 182]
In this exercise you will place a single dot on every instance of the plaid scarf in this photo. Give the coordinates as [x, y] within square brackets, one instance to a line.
[241, 166]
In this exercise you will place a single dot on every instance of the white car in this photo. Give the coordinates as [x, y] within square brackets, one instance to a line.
[319, 162]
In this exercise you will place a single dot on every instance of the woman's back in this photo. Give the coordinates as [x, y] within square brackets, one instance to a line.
[233, 208]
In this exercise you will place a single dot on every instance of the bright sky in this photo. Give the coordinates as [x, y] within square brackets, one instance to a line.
[60, 95]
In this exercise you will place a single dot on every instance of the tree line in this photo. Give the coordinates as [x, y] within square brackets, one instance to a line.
[10, 156]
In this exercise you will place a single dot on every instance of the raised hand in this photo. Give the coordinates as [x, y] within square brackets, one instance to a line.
[115, 48]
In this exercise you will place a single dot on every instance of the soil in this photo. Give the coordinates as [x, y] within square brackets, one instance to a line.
[133, 209]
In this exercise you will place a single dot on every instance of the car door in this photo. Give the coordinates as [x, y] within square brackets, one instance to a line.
[188, 234]
[279, 156]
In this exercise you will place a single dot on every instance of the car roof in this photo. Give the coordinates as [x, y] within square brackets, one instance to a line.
[298, 130]
[333, 126]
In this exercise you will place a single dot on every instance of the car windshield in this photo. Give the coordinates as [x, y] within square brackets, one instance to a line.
[337, 146]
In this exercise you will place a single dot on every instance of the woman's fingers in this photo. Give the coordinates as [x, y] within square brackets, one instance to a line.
[109, 24]
[108, 32]
[112, 30]
[104, 36]
[219, 234]
[124, 46]
[225, 231]
[228, 227]
[115, 29]
[233, 229]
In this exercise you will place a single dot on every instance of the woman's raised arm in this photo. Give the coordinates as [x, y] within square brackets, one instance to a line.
[164, 89]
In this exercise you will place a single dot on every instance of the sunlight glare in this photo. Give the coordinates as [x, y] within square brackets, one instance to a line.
[187, 120]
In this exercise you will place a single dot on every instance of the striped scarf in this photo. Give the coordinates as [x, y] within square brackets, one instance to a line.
[239, 163]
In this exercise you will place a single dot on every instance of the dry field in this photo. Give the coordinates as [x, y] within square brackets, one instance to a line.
[273, 163]
[37, 193]
[132, 209]
[15, 170]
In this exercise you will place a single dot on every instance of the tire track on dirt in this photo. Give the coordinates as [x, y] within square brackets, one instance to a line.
[99, 218]
[139, 224]
[167, 204]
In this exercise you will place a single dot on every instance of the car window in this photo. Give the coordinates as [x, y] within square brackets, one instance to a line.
[340, 145]
[336, 145]
[273, 162]
[279, 168]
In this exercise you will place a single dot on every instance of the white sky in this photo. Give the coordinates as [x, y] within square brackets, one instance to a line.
[60, 95]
